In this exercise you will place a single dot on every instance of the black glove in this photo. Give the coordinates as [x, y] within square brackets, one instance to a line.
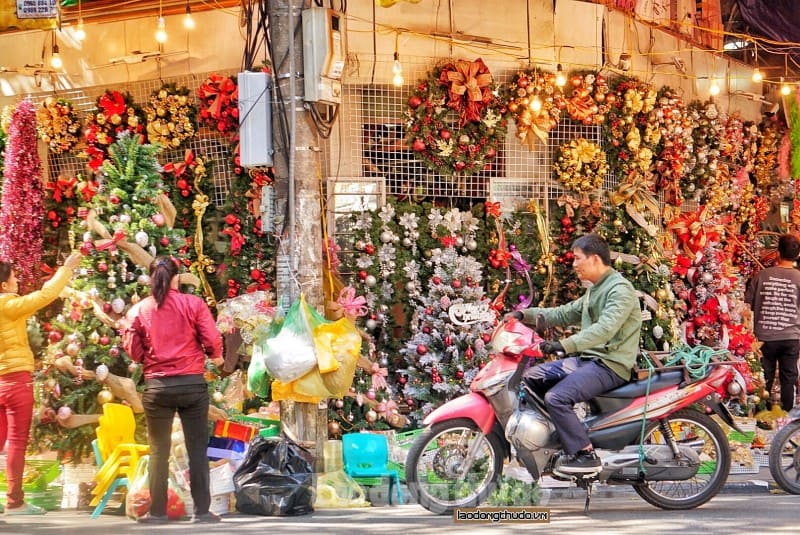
[550, 348]
[517, 315]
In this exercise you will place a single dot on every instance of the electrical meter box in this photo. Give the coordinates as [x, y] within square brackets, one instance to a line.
[255, 119]
[323, 54]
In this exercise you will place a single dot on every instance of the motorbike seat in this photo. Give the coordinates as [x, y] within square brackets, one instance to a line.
[635, 389]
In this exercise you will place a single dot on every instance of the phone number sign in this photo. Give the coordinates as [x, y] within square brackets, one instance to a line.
[37, 9]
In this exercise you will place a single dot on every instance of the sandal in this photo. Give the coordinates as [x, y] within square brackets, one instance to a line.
[26, 509]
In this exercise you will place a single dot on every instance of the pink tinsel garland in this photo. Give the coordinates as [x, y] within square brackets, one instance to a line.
[22, 209]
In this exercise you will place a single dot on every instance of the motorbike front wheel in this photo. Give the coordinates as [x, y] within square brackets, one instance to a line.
[453, 464]
[701, 433]
[784, 457]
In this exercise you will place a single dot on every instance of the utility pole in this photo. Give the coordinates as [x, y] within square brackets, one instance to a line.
[297, 190]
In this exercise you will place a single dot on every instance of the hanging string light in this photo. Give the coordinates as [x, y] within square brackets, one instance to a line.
[188, 21]
[55, 57]
[785, 89]
[80, 32]
[161, 30]
[757, 75]
[397, 67]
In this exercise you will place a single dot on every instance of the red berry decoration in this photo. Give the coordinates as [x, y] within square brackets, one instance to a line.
[362, 274]
[414, 101]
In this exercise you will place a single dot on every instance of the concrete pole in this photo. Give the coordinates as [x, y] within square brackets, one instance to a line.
[297, 155]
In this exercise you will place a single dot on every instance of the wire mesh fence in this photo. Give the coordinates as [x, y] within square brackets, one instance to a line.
[207, 143]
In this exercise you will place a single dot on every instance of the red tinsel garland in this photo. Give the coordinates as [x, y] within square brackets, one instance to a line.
[22, 210]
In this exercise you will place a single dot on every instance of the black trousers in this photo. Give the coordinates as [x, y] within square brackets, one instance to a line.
[781, 354]
[160, 406]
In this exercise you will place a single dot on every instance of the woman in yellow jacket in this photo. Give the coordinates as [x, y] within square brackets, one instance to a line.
[16, 368]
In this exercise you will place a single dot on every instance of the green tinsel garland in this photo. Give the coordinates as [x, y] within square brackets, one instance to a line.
[794, 135]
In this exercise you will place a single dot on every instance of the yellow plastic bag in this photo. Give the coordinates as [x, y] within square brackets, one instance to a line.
[285, 392]
[345, 346]
[336, 490]
[311, 385]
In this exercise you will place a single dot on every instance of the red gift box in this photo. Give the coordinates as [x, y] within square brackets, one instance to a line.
[228, 429]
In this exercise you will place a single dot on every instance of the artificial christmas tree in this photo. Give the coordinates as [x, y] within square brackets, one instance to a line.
[445, 353]
[126, 224]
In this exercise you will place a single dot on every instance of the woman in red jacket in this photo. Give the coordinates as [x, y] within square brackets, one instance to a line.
[16, 367]
[171, 334]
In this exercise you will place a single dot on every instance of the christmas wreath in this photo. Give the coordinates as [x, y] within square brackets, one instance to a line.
[170, 116]
[219, 103]
[580, 165]
[455, 122]
[588, 98]
[535, 102]
[114, 114]
[58, 124]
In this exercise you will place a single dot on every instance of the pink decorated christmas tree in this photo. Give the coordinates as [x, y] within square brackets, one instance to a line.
[23, 206]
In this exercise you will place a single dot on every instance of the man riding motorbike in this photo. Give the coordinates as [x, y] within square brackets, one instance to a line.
[607, 345]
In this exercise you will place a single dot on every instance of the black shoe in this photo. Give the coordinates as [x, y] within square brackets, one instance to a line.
[153, 519]
[581, 463]
[206, 518]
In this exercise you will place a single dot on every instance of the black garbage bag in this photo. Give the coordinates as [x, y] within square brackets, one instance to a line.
[275, 479]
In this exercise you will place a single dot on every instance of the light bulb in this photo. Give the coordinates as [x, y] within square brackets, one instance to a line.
[80, 32]
[161, 32]
[55, 59]
[536, 104]
[188, 21]
[757, 76]
[785, 90]
[397, 70]
[561, 80]
[713, 88]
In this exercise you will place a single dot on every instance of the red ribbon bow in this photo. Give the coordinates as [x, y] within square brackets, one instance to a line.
[111, 244]
[493, 209]
[112, 103]
[469, 88]
[179, 168]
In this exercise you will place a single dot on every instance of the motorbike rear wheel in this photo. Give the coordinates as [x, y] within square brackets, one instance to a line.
[435, 467]
[689, 426]
[784, 457]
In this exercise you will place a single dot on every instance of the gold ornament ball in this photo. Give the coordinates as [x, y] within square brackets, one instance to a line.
[661, 294]
[765, 394]
[217, 397]
[371, 416]
[73, 349]
[333, 428]
[104, 396]
[756, 400]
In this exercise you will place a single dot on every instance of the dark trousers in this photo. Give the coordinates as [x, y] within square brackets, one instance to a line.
[160, 406]
[566, 382]
[781, 354]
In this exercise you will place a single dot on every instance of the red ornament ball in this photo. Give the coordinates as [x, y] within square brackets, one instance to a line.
[422, 349]
[414, 101]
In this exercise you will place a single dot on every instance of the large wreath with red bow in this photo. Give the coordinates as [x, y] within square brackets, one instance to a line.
[219, 104]
[455, 122]
[115, 113]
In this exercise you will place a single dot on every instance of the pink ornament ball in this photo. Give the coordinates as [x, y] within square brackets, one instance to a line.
[64, 412]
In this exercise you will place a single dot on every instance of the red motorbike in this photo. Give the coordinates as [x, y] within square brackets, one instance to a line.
[654, 434]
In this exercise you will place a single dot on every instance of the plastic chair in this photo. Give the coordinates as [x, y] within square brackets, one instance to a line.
[366, 456]
[117, 452]
[112, 488]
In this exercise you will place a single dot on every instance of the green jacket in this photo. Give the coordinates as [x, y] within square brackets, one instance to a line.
[610, 320]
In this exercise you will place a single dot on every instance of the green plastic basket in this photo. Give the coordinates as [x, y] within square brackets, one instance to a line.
[707, 467]
[37, 475]
[744, 438]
